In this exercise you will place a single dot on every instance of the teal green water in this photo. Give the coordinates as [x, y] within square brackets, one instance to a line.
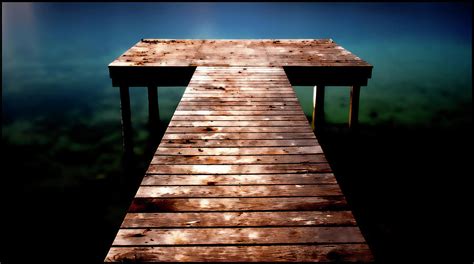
[61, 116]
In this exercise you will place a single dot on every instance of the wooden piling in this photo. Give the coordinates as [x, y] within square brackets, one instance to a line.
[153, 108]
[354, 107]
[126, 121]
[318, 107]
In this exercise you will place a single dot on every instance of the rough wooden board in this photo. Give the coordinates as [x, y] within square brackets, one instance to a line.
[239, 108]
[237, 113]
[269, 52]
[241, 151]
[151, 205]
[231, 99]
[240, 103]
[219, 236]
[247, 136]
[239, 169]
[239, 191]
[239, 179]
[235, 219]
[228, 143]
[210, 129]
[233, 123]
[276, 253]
[236, 159]
[241, 95]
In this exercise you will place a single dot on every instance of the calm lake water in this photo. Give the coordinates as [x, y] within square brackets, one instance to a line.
[61, 132]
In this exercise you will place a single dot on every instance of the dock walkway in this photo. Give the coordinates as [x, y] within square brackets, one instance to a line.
[239, 176]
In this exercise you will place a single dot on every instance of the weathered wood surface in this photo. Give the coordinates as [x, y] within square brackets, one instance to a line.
[233, 219]
[276, 253]
[239, 176]
[165, 62]
[237, 235]
[238, 204]
[241, 52]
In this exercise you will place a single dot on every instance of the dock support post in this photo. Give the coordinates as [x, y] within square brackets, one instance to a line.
[354, 107]
[153, 110]
[126, 121]
[318, 107]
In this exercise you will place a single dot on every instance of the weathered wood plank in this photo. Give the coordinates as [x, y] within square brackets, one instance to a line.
[212, 236]
[237, 113]
[237, 159]
[238, 118]
[151, 205]
[259, 123]
[234, 219]
[240, 179]
[276, 253]
[239, 169]
[239, 77]
[240, 151]
[177, 143]
[231, 99]
[246, 136]
[239, 88]
[183, 103]
[248, 82]
[270, 85]
[239, 191]
[212, 129]
[239, 108]
[241, 95]
[237, 53]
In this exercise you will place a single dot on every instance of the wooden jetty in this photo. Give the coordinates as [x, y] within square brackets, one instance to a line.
[239, 174]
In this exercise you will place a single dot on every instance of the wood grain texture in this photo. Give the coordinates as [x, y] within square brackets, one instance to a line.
[228, 143]
[219, 236]
[234, 219]
[234, 123]
[239, 191]
[247, 136]
[239, 174]
[276, 253]
[239, 179]
[240, 150]
[237, 159]
[284, 129]
[239, 169]
[263, 52]
[152, 205]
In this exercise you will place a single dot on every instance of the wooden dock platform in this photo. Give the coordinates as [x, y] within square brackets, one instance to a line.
[238, 176]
